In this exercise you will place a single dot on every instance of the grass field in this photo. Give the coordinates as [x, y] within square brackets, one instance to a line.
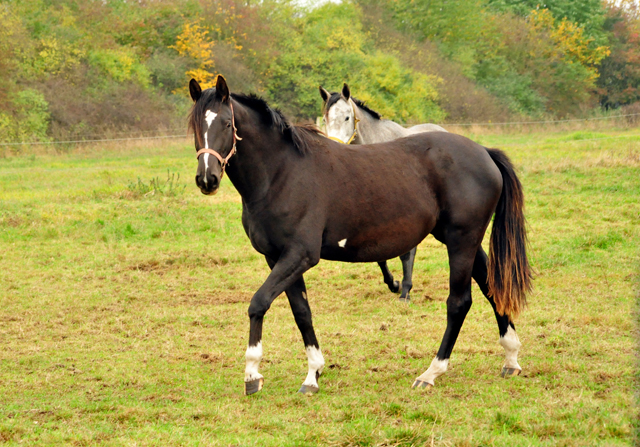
[123, 314]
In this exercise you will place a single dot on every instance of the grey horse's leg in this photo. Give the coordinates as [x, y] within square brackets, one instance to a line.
[407, 272]
[394, 286]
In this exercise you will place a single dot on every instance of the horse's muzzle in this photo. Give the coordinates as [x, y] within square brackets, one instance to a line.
[208, 184]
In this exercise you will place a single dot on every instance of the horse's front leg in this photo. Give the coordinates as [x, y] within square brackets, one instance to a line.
[285, 272]
[297, 295]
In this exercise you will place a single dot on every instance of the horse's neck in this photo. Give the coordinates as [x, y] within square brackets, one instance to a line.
[372, 130]
[257, 157]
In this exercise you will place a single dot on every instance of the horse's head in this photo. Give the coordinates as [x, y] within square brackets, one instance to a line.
[212, 121]
[339, 115]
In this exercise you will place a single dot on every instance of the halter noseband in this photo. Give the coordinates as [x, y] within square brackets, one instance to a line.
[223, 161]
[355, 125]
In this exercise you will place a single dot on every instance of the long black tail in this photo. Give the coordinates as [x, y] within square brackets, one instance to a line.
[510, 275]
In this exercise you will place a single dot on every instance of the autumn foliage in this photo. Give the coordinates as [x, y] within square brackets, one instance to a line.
[76, 69]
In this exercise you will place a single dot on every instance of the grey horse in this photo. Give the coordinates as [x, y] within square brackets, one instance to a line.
[348, 120]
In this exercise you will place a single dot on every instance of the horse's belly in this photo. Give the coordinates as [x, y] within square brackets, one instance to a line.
[376, 243]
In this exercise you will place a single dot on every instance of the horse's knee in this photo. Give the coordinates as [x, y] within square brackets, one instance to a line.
[258, 308]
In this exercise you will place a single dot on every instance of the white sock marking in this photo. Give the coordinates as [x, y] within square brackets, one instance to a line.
[342, 243]
[437, 368]
[253, 357]
[511, 344]
[316, 363]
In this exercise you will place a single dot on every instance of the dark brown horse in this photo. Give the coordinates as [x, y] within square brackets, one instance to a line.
[305, 197]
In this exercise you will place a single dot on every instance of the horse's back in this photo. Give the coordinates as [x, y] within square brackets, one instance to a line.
[425, 128]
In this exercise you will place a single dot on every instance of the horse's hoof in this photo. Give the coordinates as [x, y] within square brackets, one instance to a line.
[405, 299]
[510, 372]
[253, 387]
[308, 390]
[421, 384]
[395, 287]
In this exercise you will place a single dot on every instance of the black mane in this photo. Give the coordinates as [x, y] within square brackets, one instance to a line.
[335, 97]
[297, 135]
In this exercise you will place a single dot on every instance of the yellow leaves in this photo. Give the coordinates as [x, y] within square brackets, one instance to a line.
[53, 57]
[542, 19]
[205, 78]
[194, 43]
[570, 40]
[197, 43]
[345, 39]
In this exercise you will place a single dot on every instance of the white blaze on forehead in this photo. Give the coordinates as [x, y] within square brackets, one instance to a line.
[342, 243]
[253, 357]
[511, 344]
[209, 116]
[316, 364]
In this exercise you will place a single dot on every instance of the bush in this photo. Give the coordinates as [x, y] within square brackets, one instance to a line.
[28, 119]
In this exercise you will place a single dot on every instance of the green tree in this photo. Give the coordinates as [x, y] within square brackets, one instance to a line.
[327, 46]
[619, 81]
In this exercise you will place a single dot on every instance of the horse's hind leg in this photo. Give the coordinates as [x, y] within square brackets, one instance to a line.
[407, 272]
[394, 286]
[297, 295]
[461, 259]
[508, 337]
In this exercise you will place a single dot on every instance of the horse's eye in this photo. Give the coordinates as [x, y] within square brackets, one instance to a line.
[346, 119]
[229, 124]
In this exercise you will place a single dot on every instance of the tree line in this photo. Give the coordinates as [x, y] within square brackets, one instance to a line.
[71, 68]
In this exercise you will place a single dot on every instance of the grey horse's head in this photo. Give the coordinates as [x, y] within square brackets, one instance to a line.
[339, 115]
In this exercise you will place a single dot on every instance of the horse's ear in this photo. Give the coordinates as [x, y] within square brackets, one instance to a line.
[195, 90]
[346, 93]
[222, 90]
[324, 93]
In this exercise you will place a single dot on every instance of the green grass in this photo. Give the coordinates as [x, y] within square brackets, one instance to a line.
[123, 315]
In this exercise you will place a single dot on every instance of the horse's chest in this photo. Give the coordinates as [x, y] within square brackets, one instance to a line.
[263, 234]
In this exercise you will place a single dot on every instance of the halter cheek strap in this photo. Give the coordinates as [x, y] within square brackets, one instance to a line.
[223, 161]
[355, 125]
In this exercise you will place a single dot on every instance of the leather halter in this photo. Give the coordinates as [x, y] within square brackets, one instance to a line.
[223, 161]
[355, 125]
